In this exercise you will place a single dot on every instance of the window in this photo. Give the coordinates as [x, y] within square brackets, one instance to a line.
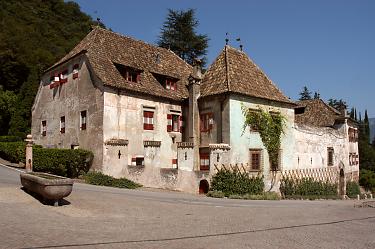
[255, 159]
[62, 125]
[171, 84]
[64, 76]
[54, 80]
[148, 120]
[330, 156]
[44, 128]
[207, 122]
[138, 161]
[75, 71]
[204, 161]
[174, 122]
[174, 163]
[129, 74]
[83, 120]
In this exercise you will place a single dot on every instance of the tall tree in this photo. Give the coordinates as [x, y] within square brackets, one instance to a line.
[33, 35]
[179, 34]
[316, 95]
[366, 126]
[305, 94]
[337, 104]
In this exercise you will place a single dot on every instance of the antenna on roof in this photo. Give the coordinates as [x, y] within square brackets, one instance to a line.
[227, 38]
[239, 40]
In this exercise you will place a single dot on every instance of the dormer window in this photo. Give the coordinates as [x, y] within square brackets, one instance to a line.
[167, 82]
[130, 74]
[64, 76]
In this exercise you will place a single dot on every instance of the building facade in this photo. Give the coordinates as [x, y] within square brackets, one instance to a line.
[149, 116]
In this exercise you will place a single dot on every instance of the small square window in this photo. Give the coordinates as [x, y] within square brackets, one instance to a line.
[255, 159]
[44, 128]
[83, 122]
[330, 156]
[62, 125]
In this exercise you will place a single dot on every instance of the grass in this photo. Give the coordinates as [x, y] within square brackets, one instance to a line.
[98, 178]
[263, 196]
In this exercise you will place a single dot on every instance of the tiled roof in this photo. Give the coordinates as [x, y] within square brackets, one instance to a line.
[317, 113]
[233, 71]
[104, 48]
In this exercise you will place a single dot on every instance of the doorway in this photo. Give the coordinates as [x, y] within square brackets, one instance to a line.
[203, 187]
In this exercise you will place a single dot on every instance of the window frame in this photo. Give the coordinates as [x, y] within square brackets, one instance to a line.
[257, 152]
[330, 156]
[205, 158]
[83, 120]
[148, 120]
[62, 125]
[206, 122]
[43, 129]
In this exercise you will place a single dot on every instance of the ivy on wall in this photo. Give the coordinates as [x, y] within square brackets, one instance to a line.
[270, 127]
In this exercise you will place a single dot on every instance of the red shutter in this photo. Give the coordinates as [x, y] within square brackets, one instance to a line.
[169, 122]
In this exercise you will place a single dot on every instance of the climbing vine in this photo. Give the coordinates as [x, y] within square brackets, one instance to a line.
[270, 128]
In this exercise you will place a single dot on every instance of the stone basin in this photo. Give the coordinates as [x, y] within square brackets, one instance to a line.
[50, 187]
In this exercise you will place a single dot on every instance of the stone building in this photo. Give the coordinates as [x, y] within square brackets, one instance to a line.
[149, 116]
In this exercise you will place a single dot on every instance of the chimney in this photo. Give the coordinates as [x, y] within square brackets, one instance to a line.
[194, 92]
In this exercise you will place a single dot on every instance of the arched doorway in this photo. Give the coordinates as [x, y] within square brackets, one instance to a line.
[203, 187]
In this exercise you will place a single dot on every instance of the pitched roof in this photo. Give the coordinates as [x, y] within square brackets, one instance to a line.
[316, 113]
[234, 71]
[104, 48]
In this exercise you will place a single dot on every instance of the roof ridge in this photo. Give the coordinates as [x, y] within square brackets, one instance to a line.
[226, 68]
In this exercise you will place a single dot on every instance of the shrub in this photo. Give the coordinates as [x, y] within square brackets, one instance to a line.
[367, 179]
[236, 183]
[215, 194]
[13, 151]
[98, 178]
[263, 196]
[307, 187]
[352, 189]
[10, 139]
[63, 162]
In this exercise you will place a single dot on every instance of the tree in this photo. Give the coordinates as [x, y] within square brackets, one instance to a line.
[337, 104]
[305, 94]
[316, 95]
[366, 126]
[179, 34]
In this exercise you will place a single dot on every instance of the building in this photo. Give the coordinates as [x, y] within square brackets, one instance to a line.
[149, 116]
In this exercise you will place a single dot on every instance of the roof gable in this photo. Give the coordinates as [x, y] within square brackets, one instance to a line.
[234, 71]
[104, 49]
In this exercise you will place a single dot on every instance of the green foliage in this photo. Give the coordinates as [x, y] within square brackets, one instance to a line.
[236, 183]
[179, 34]
[215, 194]
[352, 189]
[305, 94]
[63, 162]
[98, 178]
[34, 34]
[337, 104]
[270, 128]
[367, 179]
[10, 139]
[306, 187]
[13, 151]
[263, 196]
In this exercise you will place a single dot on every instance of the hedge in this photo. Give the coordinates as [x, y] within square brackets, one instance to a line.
[63, 162]
[98, 178]
[367, 179]
[352, 189]
[10, 139]
[236, 183]
[290, 188]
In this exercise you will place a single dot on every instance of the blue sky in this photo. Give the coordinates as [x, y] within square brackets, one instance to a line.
[329, 46]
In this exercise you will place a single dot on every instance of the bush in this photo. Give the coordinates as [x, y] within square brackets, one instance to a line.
[215, 194]
[367, 179]
[10, 139]
[63, 162]
[236, 183]
[352, 189]
[13, 151]
[306, 187]
[98, 178]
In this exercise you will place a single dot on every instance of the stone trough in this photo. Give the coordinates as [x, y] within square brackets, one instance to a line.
[50, 187]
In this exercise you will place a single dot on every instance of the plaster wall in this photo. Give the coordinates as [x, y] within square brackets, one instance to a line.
[243, 140]
[123, 119]
[68, 100]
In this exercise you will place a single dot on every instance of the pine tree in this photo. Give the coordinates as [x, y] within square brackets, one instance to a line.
[366, 127]
[352, 113]
[355, 114]
[316, 95]
[179, 34]
[305, 94]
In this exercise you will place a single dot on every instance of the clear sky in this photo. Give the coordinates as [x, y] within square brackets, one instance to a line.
[329, 46]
